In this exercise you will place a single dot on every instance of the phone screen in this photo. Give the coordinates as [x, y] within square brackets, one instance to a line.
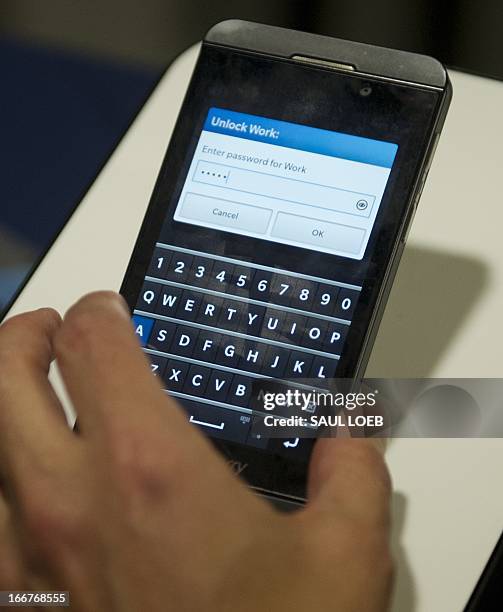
[275, 213]
[289, 183]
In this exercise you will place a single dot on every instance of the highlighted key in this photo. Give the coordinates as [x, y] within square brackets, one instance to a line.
[142, 328]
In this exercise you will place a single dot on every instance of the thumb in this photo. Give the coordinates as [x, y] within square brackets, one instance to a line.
[349, 475]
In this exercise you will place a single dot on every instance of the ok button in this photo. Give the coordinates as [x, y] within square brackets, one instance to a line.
[303, 230]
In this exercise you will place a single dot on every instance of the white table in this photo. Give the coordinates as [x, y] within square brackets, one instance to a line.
[443, 319]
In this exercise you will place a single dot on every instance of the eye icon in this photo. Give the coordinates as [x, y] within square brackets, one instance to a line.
[362, 204]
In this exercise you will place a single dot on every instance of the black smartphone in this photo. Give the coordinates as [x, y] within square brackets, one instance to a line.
[276, 226]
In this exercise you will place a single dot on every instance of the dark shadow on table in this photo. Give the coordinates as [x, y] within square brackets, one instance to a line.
[433, 294]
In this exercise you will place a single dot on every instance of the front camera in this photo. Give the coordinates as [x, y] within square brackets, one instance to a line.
[365, 91]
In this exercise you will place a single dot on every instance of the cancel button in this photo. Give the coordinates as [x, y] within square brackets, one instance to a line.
[215, 212]
[218, 212]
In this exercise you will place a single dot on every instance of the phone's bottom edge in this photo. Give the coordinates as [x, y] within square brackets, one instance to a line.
[280, 501]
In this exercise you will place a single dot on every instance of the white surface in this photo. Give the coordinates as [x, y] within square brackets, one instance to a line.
[443, 319]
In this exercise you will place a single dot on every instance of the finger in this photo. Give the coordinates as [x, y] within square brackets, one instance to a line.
[31, 421]
[349, 476]
[107, 375]
[125, 414]
[10, 567]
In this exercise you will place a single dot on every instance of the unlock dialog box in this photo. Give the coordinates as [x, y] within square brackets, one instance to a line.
[286, 182]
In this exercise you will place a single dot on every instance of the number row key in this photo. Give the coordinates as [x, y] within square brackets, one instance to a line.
[256, 284]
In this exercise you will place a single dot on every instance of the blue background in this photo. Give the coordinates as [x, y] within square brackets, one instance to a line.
[61, 115]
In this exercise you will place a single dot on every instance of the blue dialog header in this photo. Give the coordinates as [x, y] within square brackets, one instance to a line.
[301, 137]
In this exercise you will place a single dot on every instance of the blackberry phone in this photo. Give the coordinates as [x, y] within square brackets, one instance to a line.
[276, 226]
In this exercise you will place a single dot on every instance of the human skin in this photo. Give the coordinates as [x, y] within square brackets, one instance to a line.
[139, 512]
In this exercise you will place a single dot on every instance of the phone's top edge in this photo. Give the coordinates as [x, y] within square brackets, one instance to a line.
[369, 59]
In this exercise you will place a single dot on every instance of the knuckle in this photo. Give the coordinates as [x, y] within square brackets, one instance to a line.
[52, 526]
[140, 462]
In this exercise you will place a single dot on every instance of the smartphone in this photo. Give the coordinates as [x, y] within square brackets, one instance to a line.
[276, 225]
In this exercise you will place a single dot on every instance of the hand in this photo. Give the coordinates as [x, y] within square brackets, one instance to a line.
[138, 512]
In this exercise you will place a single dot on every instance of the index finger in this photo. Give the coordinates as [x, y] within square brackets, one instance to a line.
[106, 373]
